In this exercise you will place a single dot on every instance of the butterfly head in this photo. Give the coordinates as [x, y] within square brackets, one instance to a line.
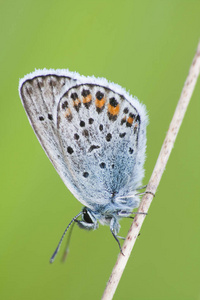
[89, 221]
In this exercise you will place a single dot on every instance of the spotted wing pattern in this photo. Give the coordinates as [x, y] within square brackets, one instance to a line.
[91, 134]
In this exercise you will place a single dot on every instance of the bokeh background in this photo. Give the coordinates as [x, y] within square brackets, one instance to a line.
[146, 47]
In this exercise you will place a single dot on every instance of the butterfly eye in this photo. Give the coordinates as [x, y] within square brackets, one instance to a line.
[86, 216]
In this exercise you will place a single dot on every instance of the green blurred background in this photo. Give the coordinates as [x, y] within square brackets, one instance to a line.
[146, 47]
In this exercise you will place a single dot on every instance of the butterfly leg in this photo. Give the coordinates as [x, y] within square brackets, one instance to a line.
[117, 241]
[114, 228]
[127, 214]
[121, 237]
[146, 192]
[141, 187]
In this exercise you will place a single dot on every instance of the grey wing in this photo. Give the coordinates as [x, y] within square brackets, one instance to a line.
[40, 96]
[103, 142]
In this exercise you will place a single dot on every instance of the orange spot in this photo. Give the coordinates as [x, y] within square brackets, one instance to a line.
[76, 102]
[100, 103]
[67, 113]
[87, 99]
[113, 110]
[130, 120]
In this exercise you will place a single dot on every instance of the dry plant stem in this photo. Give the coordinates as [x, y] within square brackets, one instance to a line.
[155, 177]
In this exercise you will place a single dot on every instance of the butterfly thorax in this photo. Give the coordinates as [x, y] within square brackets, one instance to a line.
[108, 214]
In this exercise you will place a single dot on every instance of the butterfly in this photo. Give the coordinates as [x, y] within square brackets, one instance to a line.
[94, 133]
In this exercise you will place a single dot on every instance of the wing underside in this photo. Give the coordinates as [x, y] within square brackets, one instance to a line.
[92, 135]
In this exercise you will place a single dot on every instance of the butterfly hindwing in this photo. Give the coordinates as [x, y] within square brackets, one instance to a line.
[98, 130]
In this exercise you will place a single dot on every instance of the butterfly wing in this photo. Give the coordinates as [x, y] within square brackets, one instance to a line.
[40, 95]
[93, 132]
[100, 134]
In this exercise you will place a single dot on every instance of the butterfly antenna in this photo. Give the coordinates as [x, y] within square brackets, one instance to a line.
[59, 244]
[68, 242]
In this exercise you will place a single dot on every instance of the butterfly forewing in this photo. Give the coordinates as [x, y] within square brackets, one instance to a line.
[40, 96]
